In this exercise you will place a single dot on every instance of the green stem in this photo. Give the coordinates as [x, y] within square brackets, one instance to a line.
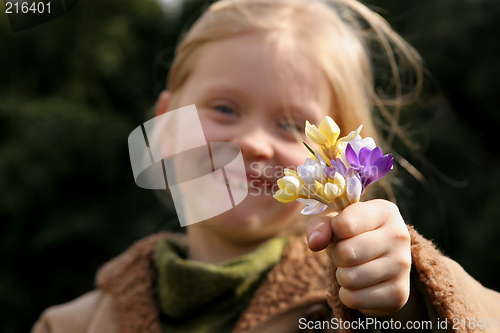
[309, 148]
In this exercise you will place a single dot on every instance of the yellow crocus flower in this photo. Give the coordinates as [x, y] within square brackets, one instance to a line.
[326, 137]
[335, 187]
[289, 189]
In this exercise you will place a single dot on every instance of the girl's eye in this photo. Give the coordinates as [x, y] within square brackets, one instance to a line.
[225, 109]
[290, 127]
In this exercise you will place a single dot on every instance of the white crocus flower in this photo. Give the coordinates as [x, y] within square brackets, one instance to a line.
[353, 189]
[313, 207]
[311, 171]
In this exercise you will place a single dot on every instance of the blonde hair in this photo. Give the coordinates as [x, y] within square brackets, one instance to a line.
[346, 40]
[354, 47]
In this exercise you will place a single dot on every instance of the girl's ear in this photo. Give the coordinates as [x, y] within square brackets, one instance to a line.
[162, 103]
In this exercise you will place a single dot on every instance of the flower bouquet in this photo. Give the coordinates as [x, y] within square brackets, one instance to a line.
[337, 173]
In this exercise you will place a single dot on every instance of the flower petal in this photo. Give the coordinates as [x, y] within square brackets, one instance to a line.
[353, 189]
[364, 157]
[319, 159]
[308, 202]
[382, 166]
[283, 196]
[311, 171]
[316, 209]
[357, 143]
[341, 143]
[318, 189]
[332, 191]
[290, 173]
[291, 182]
[305, 174]
[329, 129]
[315, 135]
[351, 156]
[341, 168]
[339, 180]
[375, 154]
[351, 135]
[337, 166]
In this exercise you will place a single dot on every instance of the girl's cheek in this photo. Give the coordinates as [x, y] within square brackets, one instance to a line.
[293, 156]
[213, 132]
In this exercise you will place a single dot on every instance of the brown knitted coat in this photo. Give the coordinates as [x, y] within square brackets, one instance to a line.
[299, 280]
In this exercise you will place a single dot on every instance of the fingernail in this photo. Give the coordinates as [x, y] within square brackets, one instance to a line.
[313, 236]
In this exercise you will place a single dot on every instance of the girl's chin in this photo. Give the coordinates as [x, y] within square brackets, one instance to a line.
[256, 213]
[251, 212]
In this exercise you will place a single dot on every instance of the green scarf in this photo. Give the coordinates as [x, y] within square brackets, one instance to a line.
[196, 297]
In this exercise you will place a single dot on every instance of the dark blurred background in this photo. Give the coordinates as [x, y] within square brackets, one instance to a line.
[72, 89]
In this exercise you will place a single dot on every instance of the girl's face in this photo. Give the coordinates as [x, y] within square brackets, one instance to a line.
[239, 100]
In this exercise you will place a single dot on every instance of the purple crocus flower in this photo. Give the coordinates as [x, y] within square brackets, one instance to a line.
[370, 164]
[337, 166]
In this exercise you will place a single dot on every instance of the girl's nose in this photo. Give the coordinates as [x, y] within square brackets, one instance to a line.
[255, 143]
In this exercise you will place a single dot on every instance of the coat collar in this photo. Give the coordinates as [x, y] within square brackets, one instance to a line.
[297, 280]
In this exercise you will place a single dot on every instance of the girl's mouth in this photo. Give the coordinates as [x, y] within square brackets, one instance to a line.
[238, 181]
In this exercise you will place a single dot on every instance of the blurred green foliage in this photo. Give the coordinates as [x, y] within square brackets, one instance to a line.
[72, 90]
[458, 207]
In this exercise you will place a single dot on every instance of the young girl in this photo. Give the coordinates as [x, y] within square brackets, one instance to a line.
[256, 71]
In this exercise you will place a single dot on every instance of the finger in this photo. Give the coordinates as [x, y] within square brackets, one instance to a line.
[361, 217]
[319, 232]
[372, 273]
[382, 299]
[361, 248]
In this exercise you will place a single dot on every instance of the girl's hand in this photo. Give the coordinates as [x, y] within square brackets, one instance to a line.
[370, 246]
